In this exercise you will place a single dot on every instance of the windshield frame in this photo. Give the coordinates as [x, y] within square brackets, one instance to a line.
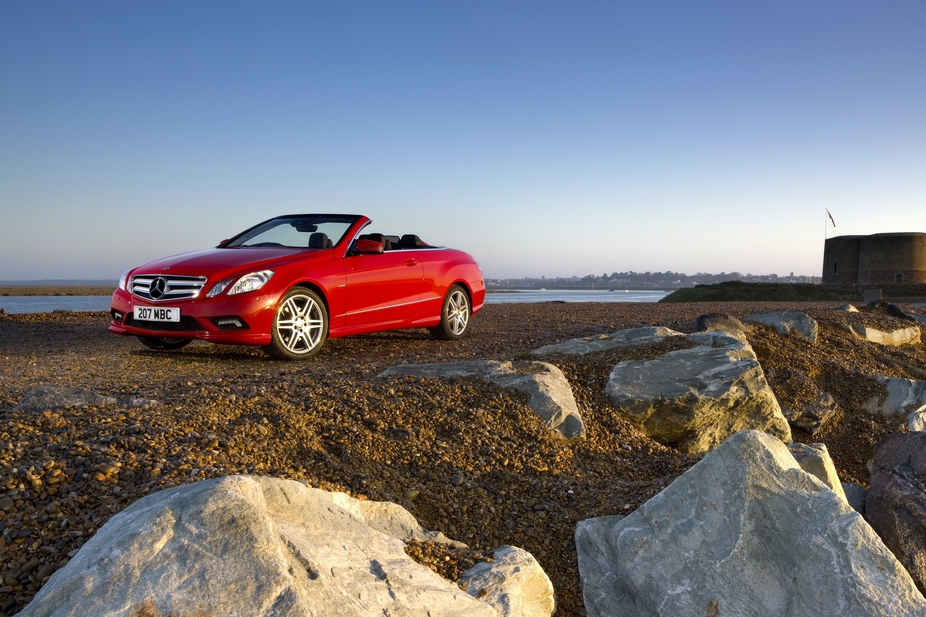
[239, 240]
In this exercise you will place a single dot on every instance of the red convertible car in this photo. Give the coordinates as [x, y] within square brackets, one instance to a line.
[293, 281]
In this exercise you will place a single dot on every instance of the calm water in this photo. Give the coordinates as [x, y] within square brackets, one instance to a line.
[46, 304]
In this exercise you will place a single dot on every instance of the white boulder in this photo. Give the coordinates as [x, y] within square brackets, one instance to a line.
[744, 532]
[694, 399]
[247, 546]
[548, 390]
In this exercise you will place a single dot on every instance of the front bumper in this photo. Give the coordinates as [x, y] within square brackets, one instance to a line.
[208, 319]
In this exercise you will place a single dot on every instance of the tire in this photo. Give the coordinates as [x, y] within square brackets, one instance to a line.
[300, 325]
[454, 315]
[164, 344]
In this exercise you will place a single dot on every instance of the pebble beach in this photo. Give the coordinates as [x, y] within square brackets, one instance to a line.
[466, 457]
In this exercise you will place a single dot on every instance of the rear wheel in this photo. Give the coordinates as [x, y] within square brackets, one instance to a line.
[300, 325]
[164, 344]
[454, 315]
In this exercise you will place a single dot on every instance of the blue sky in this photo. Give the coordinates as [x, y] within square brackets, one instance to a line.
[545, 138]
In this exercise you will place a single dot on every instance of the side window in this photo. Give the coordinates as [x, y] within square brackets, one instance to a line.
[899, 277]
[835, 267]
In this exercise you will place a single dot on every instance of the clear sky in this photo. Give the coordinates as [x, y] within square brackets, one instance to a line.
[545, 138]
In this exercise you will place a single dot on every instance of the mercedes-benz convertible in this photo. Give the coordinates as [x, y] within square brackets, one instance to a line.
[292, 282]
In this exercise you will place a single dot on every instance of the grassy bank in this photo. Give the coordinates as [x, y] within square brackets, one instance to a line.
[738, 291]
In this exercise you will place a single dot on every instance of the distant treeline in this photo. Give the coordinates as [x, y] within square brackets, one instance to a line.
[644, 280]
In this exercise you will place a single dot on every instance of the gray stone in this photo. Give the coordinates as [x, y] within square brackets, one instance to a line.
[514, 584]
[721, 322]
[55, 397]
[917, 317]
[622, 338]
[848, 308]
[904, 397]
[252, 546]
[549, 392]
[894, 338]
[916, 420]
[896, 502]
[786, 322]
[694, 399]
[855, 494]
[743, 532]
[814, 458]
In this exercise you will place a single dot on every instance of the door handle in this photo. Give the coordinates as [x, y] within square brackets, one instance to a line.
[411, 262]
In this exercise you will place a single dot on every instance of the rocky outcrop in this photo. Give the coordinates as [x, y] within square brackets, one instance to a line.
[514, 583]
[894, 338]
[261, 546]
[55, 397]
[694, 399]
[621, 338]
[786, 322]
[549, 392]
[896, 502]
[744, 532]
[814, 458]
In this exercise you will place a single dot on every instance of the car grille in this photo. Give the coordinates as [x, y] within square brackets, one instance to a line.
[186, 324]
[161, 288]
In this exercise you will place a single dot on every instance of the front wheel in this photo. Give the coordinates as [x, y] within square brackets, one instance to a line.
[164, 344]
[300, 325]
[454, 315]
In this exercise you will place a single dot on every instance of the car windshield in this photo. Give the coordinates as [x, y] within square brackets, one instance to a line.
[309, 231]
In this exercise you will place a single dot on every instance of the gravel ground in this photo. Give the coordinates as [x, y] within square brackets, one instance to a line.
[464, 456]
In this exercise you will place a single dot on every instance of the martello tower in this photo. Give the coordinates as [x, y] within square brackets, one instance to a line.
[898, 258]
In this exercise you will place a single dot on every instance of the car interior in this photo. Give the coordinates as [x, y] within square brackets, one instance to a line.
[394, 243]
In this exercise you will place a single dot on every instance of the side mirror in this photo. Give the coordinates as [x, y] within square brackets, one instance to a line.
[367, 247]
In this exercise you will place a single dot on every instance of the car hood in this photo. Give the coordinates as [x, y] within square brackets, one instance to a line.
[222, 260]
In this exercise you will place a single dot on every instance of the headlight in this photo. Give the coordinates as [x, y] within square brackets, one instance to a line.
[123, 280]
[250, 282]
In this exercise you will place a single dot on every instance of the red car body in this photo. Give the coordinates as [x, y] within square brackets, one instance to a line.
[362, 283]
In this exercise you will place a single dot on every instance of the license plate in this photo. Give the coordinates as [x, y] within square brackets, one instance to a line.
[157, 313]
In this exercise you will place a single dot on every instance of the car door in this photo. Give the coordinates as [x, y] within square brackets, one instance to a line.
[382, 288]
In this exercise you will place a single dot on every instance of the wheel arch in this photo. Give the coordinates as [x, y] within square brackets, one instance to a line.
[312, 286]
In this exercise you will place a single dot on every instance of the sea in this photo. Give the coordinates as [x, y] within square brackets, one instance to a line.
[47, 304]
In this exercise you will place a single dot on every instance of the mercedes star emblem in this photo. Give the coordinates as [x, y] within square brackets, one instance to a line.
[157, 288]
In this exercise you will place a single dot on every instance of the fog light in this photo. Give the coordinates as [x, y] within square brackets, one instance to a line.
[229, 323]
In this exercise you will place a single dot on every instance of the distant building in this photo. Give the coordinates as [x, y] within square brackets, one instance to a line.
[888, 259]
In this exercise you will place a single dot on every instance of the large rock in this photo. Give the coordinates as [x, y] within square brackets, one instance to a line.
[255, 546]
[896, 502]
[903, 396]
[621, 338]
[743, 532]
[814, 458]
[694, 399]
[56, 397]
[549, 392]
[894, 338]
[721, 322]
[514, 583]
[786, 322]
